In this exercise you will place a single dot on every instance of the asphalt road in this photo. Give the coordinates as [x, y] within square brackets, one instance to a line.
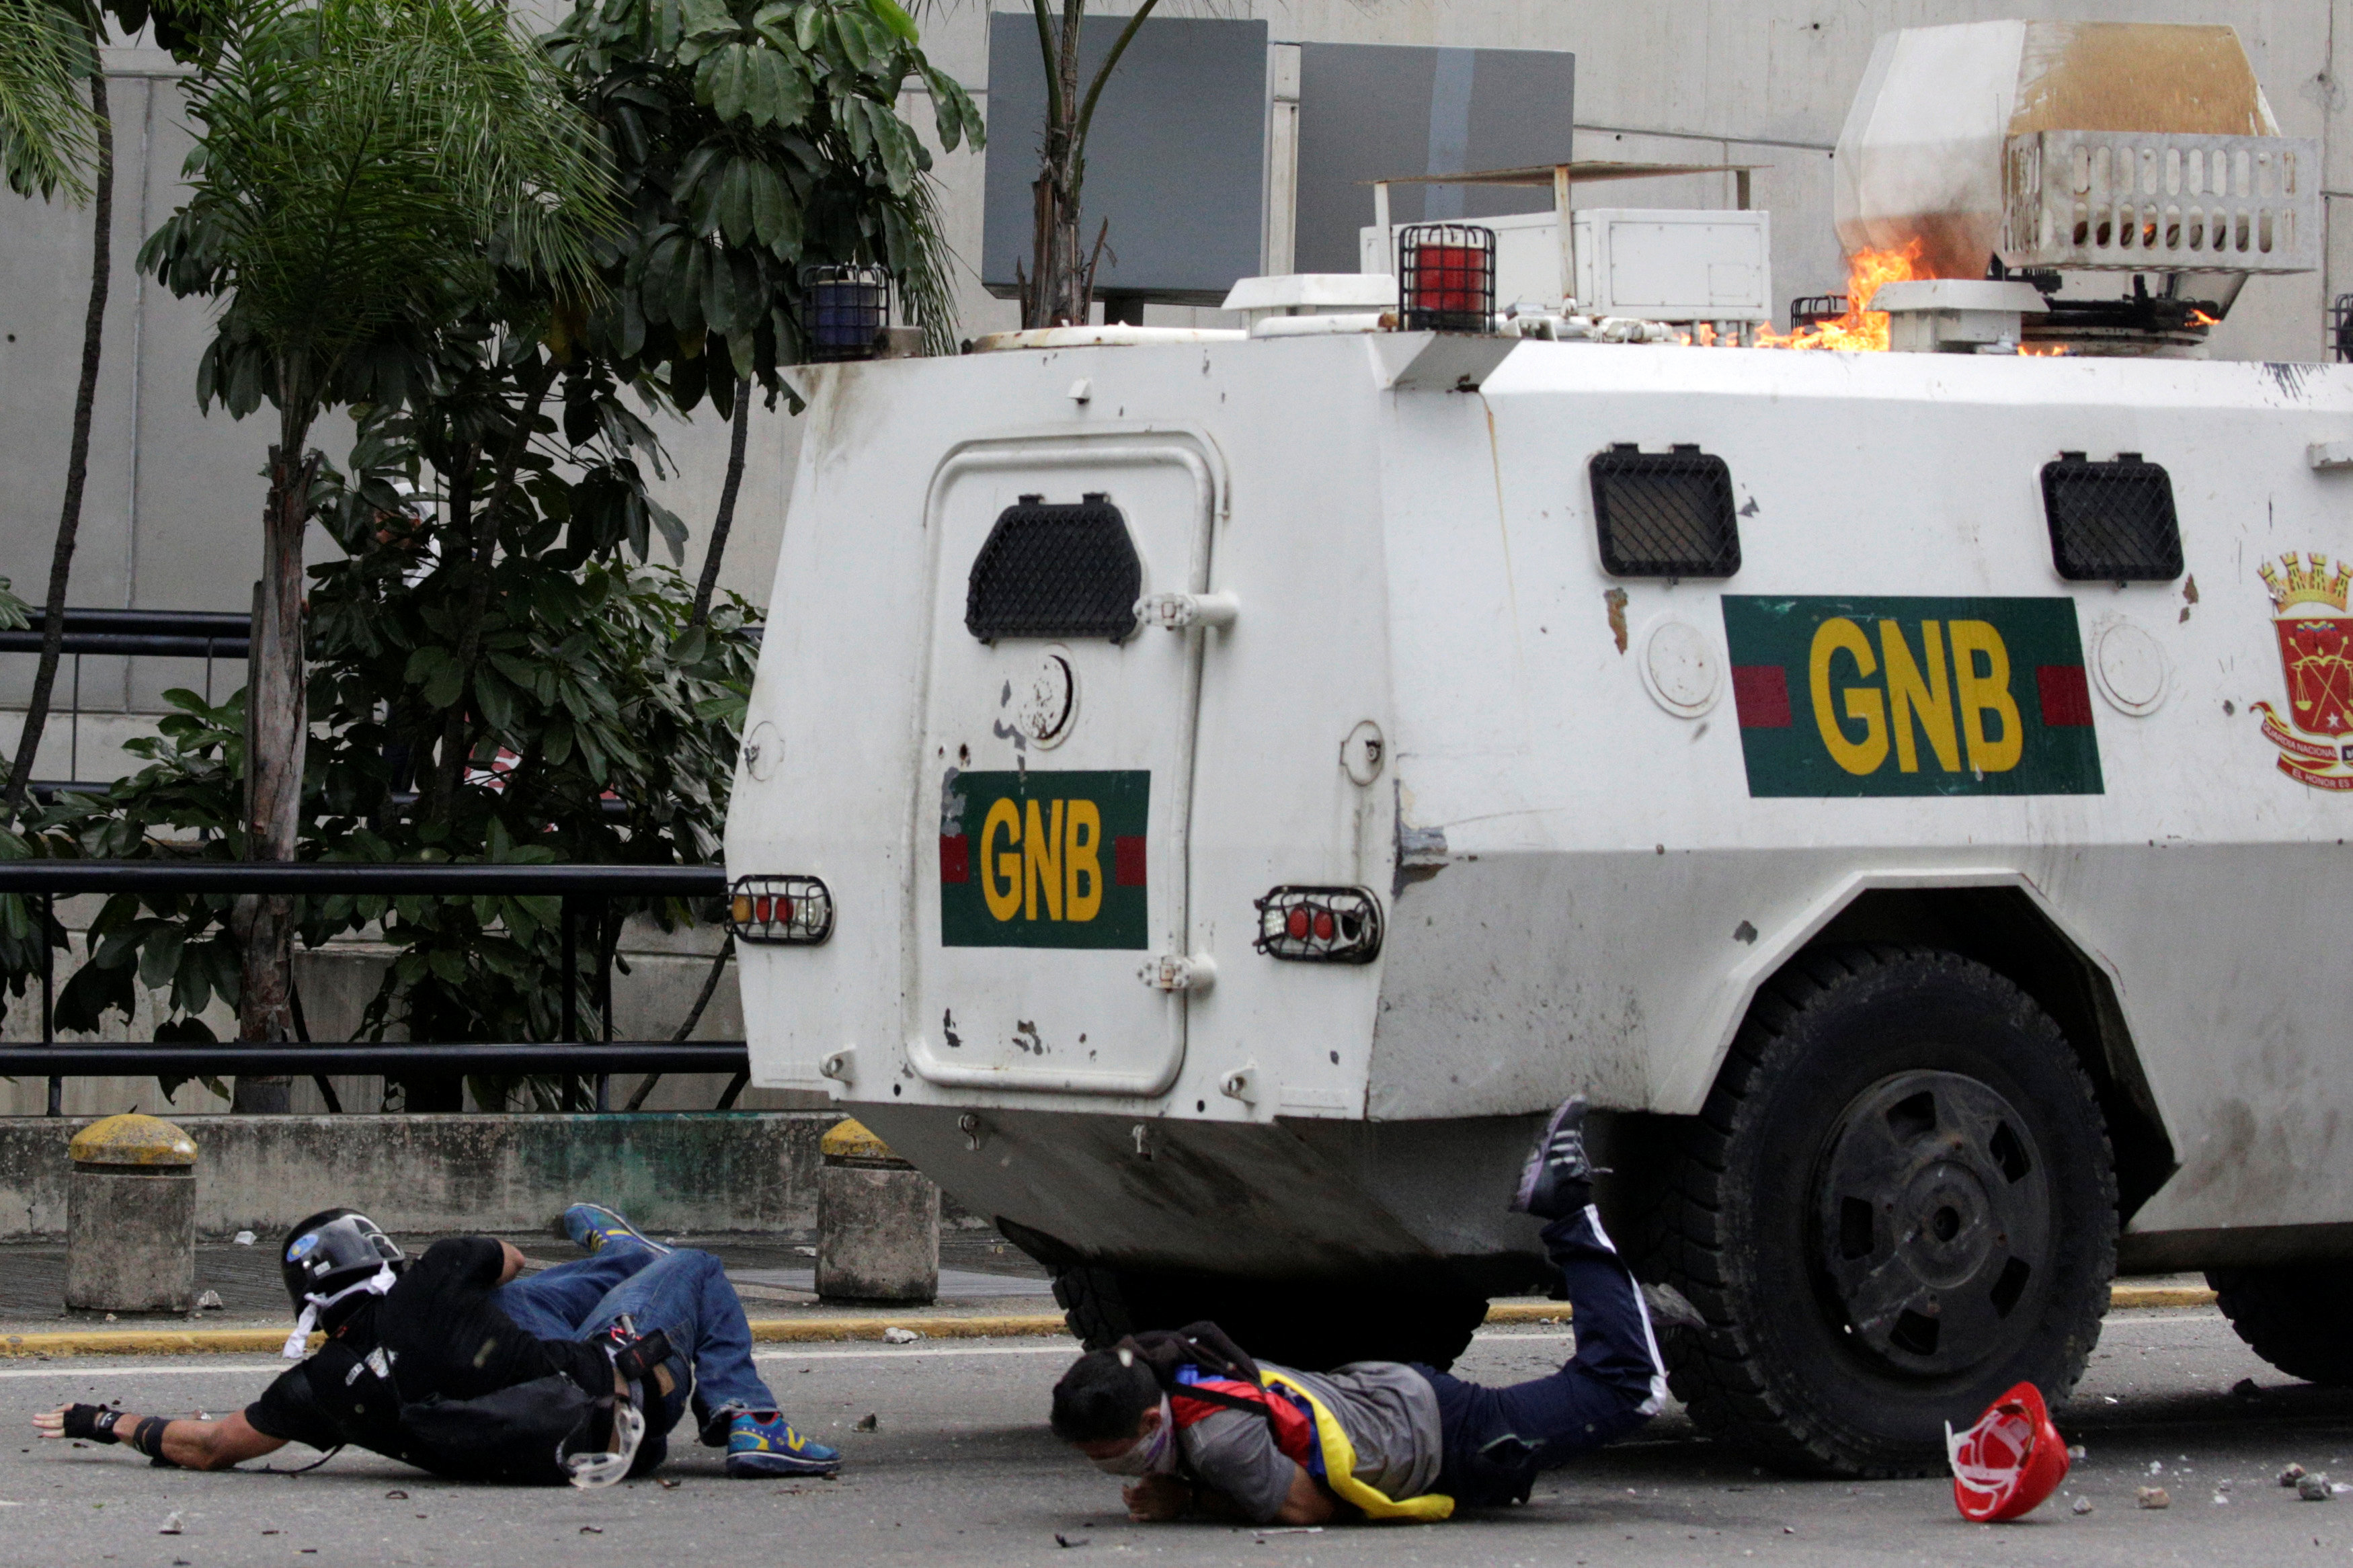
[960, 1469]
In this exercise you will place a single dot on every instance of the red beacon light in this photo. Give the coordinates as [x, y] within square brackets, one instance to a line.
[1319, 925]
[791, 911]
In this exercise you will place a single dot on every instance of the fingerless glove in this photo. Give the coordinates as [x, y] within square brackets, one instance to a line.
[92, 1422]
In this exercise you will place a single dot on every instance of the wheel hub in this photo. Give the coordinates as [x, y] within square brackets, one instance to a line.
[1934, 1213]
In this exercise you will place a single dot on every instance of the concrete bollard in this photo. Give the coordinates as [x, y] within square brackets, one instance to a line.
[878, 1222]
[130, 1218]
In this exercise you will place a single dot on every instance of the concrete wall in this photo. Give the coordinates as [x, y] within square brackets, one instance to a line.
[740, 1171]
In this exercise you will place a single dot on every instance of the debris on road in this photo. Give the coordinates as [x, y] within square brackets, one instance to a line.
[395, 1495]
[1061, 1539]
[2082, 1504]
[867, 1423]
[171, 1526]
[243, 1238]
[667, 1484]
[592, 1530]
[210, 1301]
[2314, 1489]
[2156, 1497]
[900, 1336]
[2293, 1474]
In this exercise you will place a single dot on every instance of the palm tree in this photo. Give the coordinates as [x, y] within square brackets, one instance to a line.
[365, 171]
[1061, 286]
[46, 133]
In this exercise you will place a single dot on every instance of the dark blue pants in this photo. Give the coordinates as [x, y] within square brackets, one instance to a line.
[1496, 1440]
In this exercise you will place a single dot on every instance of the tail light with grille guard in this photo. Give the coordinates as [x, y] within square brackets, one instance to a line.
[1319, 925]
[797, 910]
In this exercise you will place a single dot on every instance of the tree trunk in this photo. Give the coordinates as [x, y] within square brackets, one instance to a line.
[720, 524]
[280, 728]
[101, 264]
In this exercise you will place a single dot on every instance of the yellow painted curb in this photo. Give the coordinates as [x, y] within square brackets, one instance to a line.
[809, 1331]
[2122, 1295]
[820, 1331]
[150, 1342]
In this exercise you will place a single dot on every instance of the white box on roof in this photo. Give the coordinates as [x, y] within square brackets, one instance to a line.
[1665, 264]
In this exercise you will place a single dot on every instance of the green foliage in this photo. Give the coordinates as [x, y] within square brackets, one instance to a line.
[602, 700]
[752, 138]
[46, 131]
[363, 170]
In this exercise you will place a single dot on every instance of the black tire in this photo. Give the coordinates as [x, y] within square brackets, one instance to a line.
[1312, 1326]
[1871, 1086]
[2287, 1315]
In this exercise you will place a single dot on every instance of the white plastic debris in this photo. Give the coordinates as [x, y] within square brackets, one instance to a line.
[2156, 1466]
[243, 1238]
[2222, 1499]
[171, 1526]
[900, 1336]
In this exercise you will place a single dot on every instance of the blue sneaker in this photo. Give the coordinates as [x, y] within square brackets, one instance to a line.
[763, 1443]
[590, 1227]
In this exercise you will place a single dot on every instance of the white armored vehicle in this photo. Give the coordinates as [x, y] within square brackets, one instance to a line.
[1205, 793]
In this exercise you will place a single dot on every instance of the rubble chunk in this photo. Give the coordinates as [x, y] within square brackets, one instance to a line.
[2156, 1497]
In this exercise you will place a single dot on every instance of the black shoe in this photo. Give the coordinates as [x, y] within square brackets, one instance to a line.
[1558, 1180]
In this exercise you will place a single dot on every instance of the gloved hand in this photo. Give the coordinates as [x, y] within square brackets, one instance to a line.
[93, 1422]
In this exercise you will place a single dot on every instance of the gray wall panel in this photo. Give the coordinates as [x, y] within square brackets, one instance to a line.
[1371, 111]
[1175, 157]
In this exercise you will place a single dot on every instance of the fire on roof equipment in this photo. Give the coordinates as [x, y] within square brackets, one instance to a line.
[1446, 276]
[1813, 310]
[2087, 147]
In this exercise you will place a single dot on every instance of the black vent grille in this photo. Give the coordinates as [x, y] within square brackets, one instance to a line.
[2111, 522]
[1055, 571]
[1665, 514]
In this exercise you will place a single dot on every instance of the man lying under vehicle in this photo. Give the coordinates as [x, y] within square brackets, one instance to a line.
[456, 1364]
[1205, 1430]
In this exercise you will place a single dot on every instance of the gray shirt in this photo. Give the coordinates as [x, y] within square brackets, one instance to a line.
[1388, 1410]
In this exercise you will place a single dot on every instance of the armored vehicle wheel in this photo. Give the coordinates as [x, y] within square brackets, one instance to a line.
[2288, 1315]
[1899, 1202]
[1312, 1326]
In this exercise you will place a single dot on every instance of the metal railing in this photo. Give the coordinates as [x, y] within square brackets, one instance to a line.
[208, 635]
[47, 880]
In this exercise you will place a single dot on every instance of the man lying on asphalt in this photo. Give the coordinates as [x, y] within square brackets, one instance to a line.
[1205, 1430]
[453, 1363]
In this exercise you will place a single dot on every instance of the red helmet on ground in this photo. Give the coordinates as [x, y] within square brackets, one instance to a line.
[2010, 1462]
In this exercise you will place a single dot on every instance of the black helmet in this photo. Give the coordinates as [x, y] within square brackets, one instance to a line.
[333, 1251]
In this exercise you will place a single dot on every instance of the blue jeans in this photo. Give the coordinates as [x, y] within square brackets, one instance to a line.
[685, 1294]
[1496, 1440]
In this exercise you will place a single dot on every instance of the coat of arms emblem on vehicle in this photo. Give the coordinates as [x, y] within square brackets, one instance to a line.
[2315, 736]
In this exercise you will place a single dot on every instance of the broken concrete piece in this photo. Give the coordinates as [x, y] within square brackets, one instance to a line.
[2156, 1497]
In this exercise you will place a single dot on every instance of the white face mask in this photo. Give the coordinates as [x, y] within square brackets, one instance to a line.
[1154, 1454]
